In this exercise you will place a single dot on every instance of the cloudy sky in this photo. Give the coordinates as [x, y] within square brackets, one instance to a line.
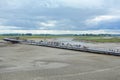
[60, 15]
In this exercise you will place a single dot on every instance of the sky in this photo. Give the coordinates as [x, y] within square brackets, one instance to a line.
[60, 15]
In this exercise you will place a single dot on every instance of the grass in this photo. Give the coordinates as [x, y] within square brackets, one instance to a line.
[33, 37]
[75, 38]
[97, 39]
[1, 37]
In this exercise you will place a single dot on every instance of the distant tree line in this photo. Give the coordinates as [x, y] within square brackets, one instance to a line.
[16, 34]
[93, 35]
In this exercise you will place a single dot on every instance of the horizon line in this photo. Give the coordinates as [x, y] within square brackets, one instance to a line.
[61, 31]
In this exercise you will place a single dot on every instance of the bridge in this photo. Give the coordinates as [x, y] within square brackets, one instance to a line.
[61, 45]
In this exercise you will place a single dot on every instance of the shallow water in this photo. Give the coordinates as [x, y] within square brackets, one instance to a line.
[70, 40]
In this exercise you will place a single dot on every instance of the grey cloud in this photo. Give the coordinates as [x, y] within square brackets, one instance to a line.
[25, 14]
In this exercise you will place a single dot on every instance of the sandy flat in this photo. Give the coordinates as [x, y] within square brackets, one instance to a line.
[27, 62]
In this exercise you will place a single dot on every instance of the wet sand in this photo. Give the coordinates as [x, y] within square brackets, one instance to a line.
[27, 62]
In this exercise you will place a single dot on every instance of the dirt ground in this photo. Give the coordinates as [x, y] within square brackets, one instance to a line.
[27, 62]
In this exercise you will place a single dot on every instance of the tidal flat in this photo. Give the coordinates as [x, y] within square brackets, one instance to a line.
[27, 62]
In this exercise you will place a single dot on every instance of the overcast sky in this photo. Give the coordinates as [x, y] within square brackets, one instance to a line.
[60, 15]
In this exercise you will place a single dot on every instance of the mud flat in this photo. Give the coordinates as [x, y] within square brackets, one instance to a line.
[27, 62]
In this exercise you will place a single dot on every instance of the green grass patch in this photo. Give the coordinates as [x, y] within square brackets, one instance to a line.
[33, 37]
[97, 39]
[75, 38]
[1, 37]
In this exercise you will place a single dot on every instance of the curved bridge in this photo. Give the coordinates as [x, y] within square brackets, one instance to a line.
[63, 46]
